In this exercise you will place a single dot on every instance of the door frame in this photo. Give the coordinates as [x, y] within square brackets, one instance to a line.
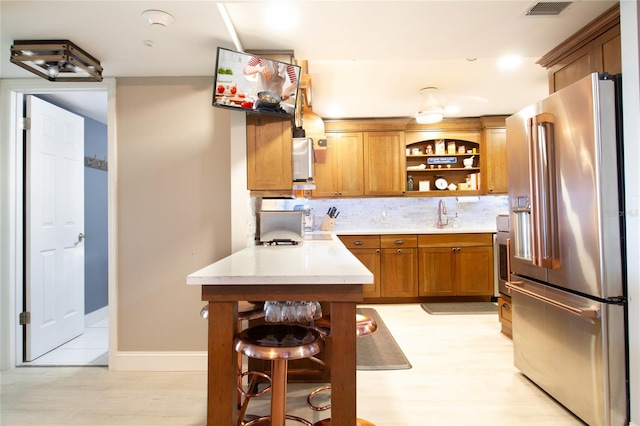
[12, 93]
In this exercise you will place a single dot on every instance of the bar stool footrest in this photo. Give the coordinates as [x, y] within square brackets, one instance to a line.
[266, 421]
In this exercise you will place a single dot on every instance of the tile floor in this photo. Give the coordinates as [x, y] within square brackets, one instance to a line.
[91, 348]
[462, 375]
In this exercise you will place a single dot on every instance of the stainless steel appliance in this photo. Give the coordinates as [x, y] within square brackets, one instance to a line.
[281, 226]
[302, 159]
[502, 254]
[566, 249]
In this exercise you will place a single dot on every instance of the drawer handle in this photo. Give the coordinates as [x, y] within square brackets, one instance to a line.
[398, 242]
[358, 243]
[399, 250]
[505, 306]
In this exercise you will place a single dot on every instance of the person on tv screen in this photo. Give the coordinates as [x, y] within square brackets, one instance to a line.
[273, 76]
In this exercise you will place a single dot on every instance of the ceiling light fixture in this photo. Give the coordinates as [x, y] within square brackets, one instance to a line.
[158, 18]
[56, 60]
[430, 110]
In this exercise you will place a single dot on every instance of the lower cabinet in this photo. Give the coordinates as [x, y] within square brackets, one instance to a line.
[504, 314]
[367, 249]
[414, 267]
[399, 266]
[455, 265]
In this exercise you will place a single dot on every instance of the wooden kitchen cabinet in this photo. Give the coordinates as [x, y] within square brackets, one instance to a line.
[399, 266]
[384, 160]
[341, 175]
[367, 249]
[268, 153]
[455, 264]
[595, 48]
[495, 142]
[447, 166]
[383, 166]
[504, 314]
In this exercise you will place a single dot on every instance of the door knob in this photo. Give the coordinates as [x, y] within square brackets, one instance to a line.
[81, 237]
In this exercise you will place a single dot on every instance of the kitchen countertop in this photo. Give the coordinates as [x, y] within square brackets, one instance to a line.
[388, 231]
[310, 262]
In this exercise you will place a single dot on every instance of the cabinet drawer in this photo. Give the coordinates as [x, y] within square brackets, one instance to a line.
[398, 241]
[458, 240]
[360, 241]
[504, 305]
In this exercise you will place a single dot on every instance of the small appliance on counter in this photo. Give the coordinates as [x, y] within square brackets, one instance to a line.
[281, 226]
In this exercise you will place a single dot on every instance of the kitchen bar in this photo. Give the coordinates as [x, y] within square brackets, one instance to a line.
[322, 270]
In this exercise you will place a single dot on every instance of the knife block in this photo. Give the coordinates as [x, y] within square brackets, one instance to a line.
[328, 223]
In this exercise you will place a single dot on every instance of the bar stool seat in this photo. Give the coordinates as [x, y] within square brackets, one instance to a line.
[278, 343]
[364, 326]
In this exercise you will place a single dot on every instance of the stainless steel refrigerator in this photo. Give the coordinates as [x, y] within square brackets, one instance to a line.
[567, 262]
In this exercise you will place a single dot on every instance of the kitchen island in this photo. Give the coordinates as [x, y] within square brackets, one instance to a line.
[319, 270]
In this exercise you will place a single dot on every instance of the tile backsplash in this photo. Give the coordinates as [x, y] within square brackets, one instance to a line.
[400, 213]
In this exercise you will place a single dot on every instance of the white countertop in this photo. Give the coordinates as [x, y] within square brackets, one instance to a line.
[310, 262]
[387, 231]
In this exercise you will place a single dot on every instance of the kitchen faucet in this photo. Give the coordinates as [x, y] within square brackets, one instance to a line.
[442, 209]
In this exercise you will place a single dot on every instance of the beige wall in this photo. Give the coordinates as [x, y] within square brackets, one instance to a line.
[174, 213]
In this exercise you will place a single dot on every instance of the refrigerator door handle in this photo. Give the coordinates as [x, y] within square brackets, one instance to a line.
[544, 208]
[581, 312]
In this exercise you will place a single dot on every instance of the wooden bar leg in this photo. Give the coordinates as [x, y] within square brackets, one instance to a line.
[278, 392]
[343, 364]
[222, 362]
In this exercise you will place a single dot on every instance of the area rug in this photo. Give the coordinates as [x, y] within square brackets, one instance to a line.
[379, 350]
[460, 308]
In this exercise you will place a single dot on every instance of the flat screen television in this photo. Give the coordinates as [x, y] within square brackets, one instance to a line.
[254, 84]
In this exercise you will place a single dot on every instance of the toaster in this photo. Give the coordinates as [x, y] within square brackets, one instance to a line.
[281, 226]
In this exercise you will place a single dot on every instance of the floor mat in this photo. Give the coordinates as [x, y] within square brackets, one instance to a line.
[379, 350]
[460, 308]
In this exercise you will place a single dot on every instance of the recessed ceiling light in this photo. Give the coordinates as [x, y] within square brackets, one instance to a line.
[510, 62]
[158, 18]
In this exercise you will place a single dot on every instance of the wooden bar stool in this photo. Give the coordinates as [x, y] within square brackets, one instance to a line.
[278, 343]
[364, 326]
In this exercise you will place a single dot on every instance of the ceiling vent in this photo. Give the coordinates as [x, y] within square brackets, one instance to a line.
[548, 8]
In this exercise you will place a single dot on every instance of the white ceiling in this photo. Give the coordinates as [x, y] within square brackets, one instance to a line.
[366, 58]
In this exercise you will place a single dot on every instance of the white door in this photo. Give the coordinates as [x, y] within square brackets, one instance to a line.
[54, 291]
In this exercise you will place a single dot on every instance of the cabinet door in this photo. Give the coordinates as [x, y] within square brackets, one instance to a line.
[350, 166]
[399, 272]
[437, 271]
[572, 68]
[371, 259]
[268, 153]
[384, 163]
[474, 271]
[342, 172]
[608, 48]
[496, 145]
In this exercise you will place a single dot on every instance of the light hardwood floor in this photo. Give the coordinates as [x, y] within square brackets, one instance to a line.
[462, 374]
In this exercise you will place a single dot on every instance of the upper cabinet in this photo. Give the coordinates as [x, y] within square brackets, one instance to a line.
[397, 157]
[595, 48]
[341, 172]
[383, 163]
[495, 142]
[443, 162]
[269, 153]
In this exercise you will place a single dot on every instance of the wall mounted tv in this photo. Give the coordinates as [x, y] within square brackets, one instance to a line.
[254, 84]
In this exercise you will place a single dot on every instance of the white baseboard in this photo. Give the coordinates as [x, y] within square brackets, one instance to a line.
[159, 361]
[96, 316]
